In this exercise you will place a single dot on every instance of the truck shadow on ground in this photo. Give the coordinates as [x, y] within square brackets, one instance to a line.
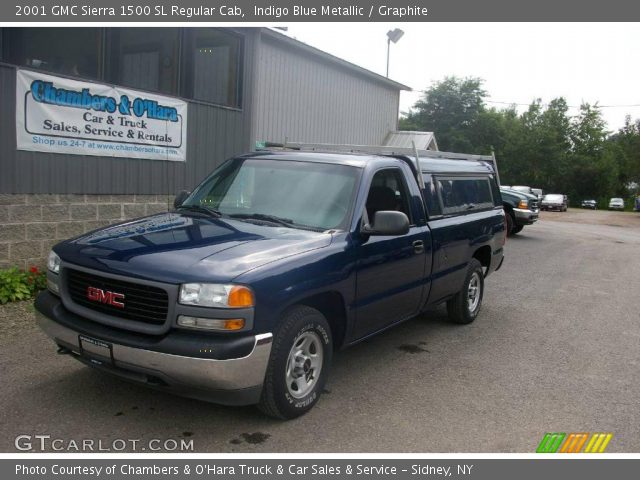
[524, 238]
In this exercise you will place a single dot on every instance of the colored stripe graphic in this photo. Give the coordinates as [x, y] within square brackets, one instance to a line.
[550, 442]
[573, 442]
[598, 443]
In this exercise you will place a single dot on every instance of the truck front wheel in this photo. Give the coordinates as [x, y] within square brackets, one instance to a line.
[465, 306]
[510, 222]
[299, 364]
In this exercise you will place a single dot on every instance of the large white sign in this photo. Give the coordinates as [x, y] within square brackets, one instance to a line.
[60, 115]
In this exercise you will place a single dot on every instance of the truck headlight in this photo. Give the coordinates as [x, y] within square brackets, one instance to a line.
[523, 204]
[53, 263]
[216, 295]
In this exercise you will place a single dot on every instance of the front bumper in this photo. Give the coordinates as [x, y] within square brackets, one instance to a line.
[525, 216]
[229, 381]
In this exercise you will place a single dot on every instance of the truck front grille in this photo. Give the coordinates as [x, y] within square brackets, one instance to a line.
[142, 303]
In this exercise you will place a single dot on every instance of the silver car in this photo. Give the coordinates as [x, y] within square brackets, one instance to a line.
[554, 201]
[616, 204]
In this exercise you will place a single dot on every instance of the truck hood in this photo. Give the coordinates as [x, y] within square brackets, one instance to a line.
[182, 247]
[518, 193]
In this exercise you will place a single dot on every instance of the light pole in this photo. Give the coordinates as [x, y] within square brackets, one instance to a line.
[392, 36]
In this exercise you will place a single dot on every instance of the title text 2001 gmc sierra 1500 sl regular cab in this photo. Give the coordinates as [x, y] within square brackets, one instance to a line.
[242, 293]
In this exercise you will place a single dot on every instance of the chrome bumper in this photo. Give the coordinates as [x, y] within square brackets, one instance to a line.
[526, 215]
[194, 377]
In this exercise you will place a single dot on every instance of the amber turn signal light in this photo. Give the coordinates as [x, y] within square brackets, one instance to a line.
[240, 297]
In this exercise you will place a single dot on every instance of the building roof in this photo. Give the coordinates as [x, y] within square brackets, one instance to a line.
[322, 55]
[404, 139]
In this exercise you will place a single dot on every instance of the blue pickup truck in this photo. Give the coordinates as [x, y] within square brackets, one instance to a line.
[243, 292]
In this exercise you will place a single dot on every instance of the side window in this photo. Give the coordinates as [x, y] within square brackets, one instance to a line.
[431, 196]
[388, 191]
[465, 194]
[495, 191]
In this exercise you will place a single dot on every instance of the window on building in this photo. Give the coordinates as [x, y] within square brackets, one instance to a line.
[145, 58]
[213, 66]
[198, 63]
[66, 51]
[464, 194]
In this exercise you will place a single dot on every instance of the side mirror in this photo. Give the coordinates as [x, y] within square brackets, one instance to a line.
[180, 198]
[388, 223]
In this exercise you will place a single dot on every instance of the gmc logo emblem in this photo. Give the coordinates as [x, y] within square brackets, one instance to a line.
[108, 298]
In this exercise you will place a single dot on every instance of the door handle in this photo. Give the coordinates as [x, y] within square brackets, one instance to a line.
[418, 246]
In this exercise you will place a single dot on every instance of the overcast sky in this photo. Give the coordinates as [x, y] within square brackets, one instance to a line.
[596, 62]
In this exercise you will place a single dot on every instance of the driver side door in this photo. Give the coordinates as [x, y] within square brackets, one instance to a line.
[390, 270]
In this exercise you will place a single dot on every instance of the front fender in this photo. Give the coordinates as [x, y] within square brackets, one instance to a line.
[286, 282]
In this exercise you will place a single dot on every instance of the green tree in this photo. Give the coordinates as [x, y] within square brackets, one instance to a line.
[450, 109]
[593, 169]
[542, 147]
[537, 145]
[627, 140]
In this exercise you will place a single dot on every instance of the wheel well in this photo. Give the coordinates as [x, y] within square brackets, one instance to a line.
[331, 305]
[483, 255]
[508, 208]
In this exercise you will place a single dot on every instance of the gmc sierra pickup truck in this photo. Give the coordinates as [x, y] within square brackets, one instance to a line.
[243, 292]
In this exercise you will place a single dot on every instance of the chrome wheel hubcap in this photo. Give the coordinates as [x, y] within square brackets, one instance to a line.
[474, 292]
[304, 364]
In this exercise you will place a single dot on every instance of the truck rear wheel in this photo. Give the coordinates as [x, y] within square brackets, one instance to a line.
[299, 364]
[465, 306]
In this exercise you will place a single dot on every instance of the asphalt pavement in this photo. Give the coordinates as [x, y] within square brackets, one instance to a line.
[556, 348]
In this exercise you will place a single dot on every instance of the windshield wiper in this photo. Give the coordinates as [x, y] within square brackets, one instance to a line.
[202, 209]
[285, 222]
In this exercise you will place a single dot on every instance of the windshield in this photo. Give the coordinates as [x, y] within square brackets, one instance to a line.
[618, 200]
[554, 198]
[298, 194]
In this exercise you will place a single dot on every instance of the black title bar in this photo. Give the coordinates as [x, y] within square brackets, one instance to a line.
[276, 11]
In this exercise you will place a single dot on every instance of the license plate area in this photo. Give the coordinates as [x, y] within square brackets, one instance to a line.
[96, 351]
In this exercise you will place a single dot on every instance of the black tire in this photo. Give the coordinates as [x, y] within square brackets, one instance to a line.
[511, 221]
[516, 229]
[277, 398]
[458, 307]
